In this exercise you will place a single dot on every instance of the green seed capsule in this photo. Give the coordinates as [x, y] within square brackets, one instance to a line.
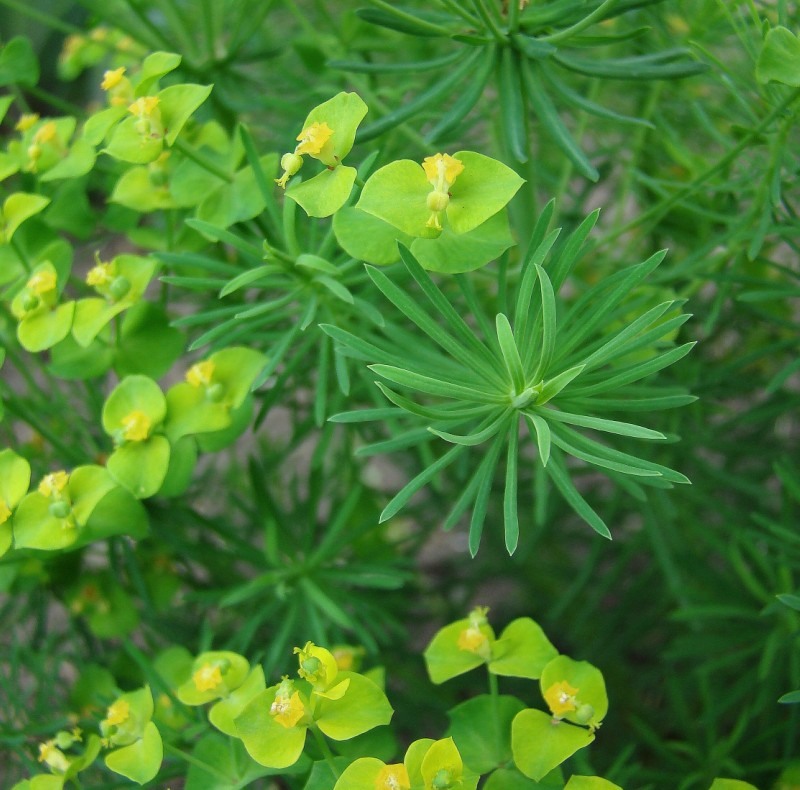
[584, 714]
[59, 509]
[119, 287]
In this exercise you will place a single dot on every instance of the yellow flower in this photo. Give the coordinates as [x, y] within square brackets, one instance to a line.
[393, 777]
[53, 484]
[26, 121]
[52, 756]
[207, 678]
[45, 133]
[5, 511]
[42, 282]
[560, 698]
[347, 658]
[72, 45]
[112, 78]
[472, 640]
[313, 138]
[287, 708]
[136, 426]
[99, 274]
[118, 713]
[144, 106]
[201, 373]
[441, 170]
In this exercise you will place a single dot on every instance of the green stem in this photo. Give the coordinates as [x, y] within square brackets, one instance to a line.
[201, 159]
[204, 766]
[326, 751]
[493, 687]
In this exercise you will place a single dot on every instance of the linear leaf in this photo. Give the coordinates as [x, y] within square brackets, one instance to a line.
[635, 372]
[553, 386]
[540, 429]
[563, 91]
[548, 317]
[400, 499]
[479, 436]
[446, 310]
[399, 442]
[362, 349]
[512, 105]
[559, 475]
[600, 460]
[548, 116]
[415, 313]
[565, 258]
[633, 404]
[645, 340]
[247, 278]
[600, 424]
[439, 88]
[225, 236]
[414, 66]
[483, 491]
[590, 446]
[522, 318]
[510, 515]
[508, 348]
[335, 287]
[660, 66]
[432, 386]
[441, 413]
[365, 415]
[466, 99]
[582, 324]
[608, 349]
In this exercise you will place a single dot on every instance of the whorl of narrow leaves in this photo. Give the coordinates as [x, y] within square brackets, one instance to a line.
[553, 366]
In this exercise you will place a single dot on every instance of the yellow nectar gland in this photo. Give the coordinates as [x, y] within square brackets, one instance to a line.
[473, 640]
[393, 777]
[560, 698]
[45, 133]
[53, 484]
[136, 426]
[99, 275]
[42, 282]
[144, 106]
[118, 713]
[201, 374]
[313, 138]
[207, 678]
[5, 511]
[112, 78]
[27, 121]
[287, 708]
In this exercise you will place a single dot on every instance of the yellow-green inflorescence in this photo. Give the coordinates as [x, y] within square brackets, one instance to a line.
[441, 170]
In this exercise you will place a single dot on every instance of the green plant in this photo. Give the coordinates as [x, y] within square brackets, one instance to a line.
[222, 437]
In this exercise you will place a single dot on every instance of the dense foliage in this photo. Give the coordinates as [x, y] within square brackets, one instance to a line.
[334, 337]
